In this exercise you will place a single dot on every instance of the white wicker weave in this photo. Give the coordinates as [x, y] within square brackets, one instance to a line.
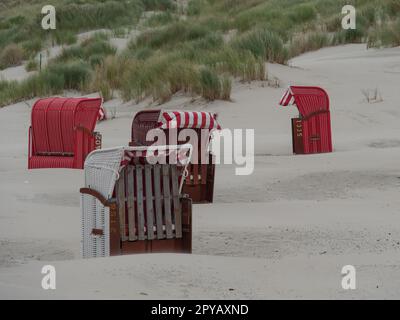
[101, 171]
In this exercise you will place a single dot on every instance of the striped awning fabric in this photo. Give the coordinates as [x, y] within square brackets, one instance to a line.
[309, 100]
[157, 154]
[188, 119]
[287, 98]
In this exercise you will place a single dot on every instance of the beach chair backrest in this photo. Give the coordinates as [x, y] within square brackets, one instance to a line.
[61, 132]
[54, 121]
[141, 124]
[148, 200]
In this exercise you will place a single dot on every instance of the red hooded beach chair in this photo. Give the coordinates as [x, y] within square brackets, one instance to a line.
[311, 131]
[61, 133]
[199, 183]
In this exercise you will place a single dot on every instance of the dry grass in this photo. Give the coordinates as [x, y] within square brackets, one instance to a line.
[372, 95]
[11, 56]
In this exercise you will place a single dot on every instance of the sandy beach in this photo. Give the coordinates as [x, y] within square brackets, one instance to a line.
[284, 232]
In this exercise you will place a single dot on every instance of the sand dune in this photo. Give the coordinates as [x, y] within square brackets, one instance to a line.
[283, 232]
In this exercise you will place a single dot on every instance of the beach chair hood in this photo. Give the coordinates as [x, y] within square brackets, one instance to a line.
[188, 119]
[61, 132]
[308, 100]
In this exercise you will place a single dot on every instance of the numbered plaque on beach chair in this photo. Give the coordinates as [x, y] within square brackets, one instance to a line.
[132, 202]
[199, 183]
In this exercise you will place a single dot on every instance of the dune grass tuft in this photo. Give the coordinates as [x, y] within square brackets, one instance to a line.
[94, 50]
[210, 84]
[32, 65]
[311, 41]
[11, 56]
[387, 35]
[263, 44]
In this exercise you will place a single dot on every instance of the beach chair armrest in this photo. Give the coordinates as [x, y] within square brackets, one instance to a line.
[114, 234]
[98, 196]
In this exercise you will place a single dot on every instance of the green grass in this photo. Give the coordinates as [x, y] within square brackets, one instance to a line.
[32, 65]
[74, 74]
[93, 50]
[210, 84]
[8, 92]
[302, 13]
[195, 6]
[304, 42]
[31, 47]
[263, 44]
[160, 5]
[160, 19]
[53, 80]
[387, 35]
[64, 37]
[159, 77]
[218, 41]
[92, 15]
[107, 76]
[20, 21]
[170, 35]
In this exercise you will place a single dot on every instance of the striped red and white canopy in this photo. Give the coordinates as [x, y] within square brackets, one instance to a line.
[158, 154]
[188, 119]
[287, 98]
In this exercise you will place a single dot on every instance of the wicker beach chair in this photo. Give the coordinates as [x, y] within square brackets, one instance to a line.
[61, 133]
[311, 131]
[131, 204]
[199, 183]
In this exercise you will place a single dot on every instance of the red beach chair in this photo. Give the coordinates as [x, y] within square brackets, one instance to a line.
[61, 133]
[199, 183]
[311, 131]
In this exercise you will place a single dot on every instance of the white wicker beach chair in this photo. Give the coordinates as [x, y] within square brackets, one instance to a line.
[102, 170]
